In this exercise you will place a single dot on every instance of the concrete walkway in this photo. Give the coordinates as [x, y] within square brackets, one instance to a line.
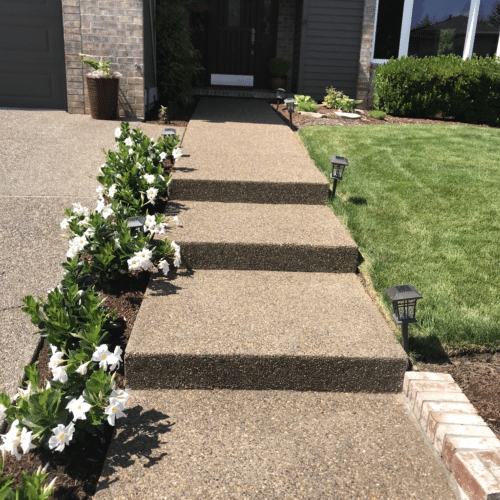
[263, 370]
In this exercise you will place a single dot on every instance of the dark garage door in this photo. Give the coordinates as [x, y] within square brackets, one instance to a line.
[32, 67]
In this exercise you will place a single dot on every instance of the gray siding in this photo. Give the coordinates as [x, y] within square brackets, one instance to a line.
[330, 46]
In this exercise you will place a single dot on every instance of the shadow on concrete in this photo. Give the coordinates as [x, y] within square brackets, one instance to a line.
[138, 438]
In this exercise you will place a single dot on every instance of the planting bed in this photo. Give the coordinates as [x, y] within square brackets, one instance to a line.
[79, 466]
[299, 121]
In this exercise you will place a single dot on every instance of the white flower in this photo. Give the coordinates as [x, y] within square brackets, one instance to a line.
[53, 348]
[150, 220]
[60, 374]
[82, 369]
[146, 264]
[64, 224]
[163, 264]
[106, 357]
[24, 392]
[122, 395]
[112, 191]
[79, 243]
[130, 151]
[139, 166]
[118, 357]
[151, 193]
[177, 262]
[129, 142]
[177, 153]
[161, 178]
[107, 211]
[150, 178]
[89, 233]
[154, 269]
[144, 254]
[2, 410]
[100, 190]
[114, 410]
[134, 264]
[12, 440]
[62, 436]
[118, 132]
[56, 359]
[84, 221]
[177, 254]
[25, 440]
[78, 407]
[119, 176]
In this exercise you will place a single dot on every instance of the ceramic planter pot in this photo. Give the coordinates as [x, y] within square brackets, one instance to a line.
[103, 97]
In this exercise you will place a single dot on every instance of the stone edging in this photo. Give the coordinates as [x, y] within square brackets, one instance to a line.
[468, 447]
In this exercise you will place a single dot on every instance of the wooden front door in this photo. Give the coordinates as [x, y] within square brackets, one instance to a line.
[242, 41]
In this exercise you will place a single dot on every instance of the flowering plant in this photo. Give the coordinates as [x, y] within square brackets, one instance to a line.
[101, 68]
[82, 394]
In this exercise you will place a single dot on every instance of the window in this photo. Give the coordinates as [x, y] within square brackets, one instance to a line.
[432, 27]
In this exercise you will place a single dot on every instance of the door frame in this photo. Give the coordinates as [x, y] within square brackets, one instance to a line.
[261, 62]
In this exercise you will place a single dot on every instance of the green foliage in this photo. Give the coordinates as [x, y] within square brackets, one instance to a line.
[101, 68]
[176, 57]
[279, 66]
[467, 90]
[305, 103]
[30, 489]
[378, 114]
[338, 100]
[163, 114]
[446, 38]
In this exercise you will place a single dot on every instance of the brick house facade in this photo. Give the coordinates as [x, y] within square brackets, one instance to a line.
[113, 30]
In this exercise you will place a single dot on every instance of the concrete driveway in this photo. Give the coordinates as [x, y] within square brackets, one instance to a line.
[48, 160]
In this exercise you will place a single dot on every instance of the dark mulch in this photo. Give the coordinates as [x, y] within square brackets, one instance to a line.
[302, 120]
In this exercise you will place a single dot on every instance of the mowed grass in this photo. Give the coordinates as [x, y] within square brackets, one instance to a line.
[423, 204]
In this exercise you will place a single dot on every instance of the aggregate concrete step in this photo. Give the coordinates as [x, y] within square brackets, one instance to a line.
[262, 237]
[262, 445]
[247, 155]
[262, 330]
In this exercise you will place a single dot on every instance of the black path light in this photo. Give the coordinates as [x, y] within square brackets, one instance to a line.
[169, 132]
[136, 224]
[290, 107]
[338, 165]
[404, 301]
[280, 93]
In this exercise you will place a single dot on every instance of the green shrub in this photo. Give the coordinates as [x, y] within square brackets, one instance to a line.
[306, 103]
[338, 100]
[378, 114]
[467, 90]
[176, 57]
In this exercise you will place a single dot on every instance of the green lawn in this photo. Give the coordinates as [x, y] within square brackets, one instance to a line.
[423, 204]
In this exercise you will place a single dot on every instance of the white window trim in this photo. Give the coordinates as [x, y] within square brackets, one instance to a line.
[404, 39]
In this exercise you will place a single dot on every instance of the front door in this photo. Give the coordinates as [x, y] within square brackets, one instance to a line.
[242, 40]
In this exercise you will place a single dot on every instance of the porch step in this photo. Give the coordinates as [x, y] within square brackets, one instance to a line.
[262, 445]
[260, 330]
[262, 237]
[231, 168]
[250, 93]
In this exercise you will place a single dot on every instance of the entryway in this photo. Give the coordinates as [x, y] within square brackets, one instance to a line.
[239, 41]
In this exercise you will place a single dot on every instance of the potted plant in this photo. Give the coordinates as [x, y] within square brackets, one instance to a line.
[102, 88]
[278, 68]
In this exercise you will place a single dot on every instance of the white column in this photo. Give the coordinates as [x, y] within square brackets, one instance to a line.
[471, 29]
[404, 39]
[498, 46]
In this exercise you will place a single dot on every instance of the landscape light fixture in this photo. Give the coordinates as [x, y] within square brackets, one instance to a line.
[290, 107]
[136, 224]
[338, 165]
[280, 93]
[404, 301]
[169, 132]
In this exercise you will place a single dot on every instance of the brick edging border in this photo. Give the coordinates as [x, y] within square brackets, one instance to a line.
[468, 447]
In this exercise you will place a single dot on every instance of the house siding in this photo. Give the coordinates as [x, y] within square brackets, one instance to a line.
[113, 30]
[330, 46]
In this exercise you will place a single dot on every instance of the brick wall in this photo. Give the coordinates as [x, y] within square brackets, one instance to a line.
[286, 30]
[366, 68]
[112, 29]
